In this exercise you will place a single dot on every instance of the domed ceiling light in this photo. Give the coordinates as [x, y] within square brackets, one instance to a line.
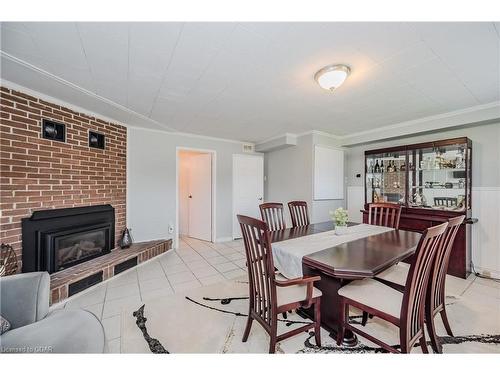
[332, 77]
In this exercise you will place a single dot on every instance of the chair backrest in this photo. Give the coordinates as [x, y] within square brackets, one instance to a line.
[437, 279]
[272, 215]
[412, 308]
[384, 214]
[261, 276]
[299, 213]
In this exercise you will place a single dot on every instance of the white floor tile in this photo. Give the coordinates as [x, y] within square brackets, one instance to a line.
[242, 263]
[182, 287]
[153, 284]
[122, 291]
[156, 293]
[227, 251]
[235, 256]
[197, 264]
[181, 277]
[114, 346]
[127, 277]
[205, 271]
[94, 309]
[486, 282]
[170, 257]
[217, 260]
[218, 245]
[480, 289]
[88, 298]
[212, 279]
[224, 267]
[234, 274]
[112, 327]
[191, 257]
[115, 307]
[207, 254]
[175, 268]
[150, 271]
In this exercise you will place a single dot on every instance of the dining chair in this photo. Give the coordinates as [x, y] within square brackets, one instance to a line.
[435, 299]
[269, 296]
[384, 214]
[404, 310]
[272, 215]
[299, 213]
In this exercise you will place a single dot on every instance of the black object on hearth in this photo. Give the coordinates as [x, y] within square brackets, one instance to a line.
[96, 140]
[126, 239]
[54, 131]
[57, 239]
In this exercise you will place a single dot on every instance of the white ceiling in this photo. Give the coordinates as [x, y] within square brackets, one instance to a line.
[253, 81]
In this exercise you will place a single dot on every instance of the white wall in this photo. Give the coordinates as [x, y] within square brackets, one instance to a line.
[321, 209]
[485, 186]
[289, 176]
[151, 181]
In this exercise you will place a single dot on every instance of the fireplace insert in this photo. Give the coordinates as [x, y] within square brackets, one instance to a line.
[54, 240]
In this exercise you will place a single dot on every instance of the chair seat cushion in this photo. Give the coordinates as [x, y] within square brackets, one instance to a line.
[294, 293]
[374, 294]
[396, 274]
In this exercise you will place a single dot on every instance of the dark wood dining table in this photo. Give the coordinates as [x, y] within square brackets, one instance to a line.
[339, 265]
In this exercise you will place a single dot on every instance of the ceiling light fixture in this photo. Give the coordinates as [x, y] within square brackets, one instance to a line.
[332, 77]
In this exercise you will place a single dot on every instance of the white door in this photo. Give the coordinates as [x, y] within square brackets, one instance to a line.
[248, 188]
[200, 197]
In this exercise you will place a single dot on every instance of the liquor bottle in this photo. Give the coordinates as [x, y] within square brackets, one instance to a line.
[402, 168]
[377, 167]
[370, 168]
[382, 167]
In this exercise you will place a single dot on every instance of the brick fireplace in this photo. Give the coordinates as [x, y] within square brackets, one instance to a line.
[63, 202]
[40, 174]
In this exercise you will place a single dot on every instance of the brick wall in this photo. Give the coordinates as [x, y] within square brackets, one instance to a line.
[39, 174]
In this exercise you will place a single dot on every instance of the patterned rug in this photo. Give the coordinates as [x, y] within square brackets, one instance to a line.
[212, 319]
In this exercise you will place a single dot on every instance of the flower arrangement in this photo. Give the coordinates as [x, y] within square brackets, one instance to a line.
[340, 217]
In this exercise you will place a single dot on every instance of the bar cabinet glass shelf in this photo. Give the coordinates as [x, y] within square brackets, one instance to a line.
[432, 176]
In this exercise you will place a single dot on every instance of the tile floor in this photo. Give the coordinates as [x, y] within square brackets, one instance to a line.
[197, 263]
[193, 264]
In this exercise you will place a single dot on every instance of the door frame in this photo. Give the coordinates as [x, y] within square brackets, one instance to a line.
[213, 155]
[256, 155]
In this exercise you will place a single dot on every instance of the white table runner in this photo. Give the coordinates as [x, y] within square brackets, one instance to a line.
[287, 255]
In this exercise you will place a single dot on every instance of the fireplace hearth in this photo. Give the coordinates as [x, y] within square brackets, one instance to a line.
[54, 240]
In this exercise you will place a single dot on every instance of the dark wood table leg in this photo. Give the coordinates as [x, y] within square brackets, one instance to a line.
[329, 287]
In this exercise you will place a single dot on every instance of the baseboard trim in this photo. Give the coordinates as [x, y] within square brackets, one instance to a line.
[487, 272]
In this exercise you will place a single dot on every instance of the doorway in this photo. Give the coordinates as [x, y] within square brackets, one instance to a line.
[248, 187]
[196, 194]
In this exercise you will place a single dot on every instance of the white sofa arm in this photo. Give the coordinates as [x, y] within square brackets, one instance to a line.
[24, 298]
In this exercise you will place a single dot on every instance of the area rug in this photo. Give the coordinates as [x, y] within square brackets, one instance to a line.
[212, 319]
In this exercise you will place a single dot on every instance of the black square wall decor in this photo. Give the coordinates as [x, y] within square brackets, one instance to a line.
[54, 131]
[96, 140]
